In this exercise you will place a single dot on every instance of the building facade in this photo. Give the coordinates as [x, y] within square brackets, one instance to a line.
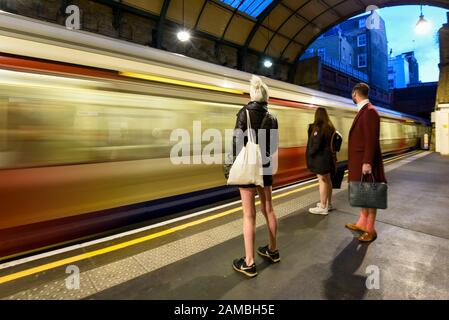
[361, 42]
[413, 67]
[398, 72]
[403, 71]
[368, 37]
[354, 51]
[332, 46]
[328, 76]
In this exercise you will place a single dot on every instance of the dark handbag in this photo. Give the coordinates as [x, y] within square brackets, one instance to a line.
[337, 178]
[336, 141]
[368, 194]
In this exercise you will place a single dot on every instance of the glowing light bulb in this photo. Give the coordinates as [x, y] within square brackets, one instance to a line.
[183, 35]
[267, 63]
[423, 26]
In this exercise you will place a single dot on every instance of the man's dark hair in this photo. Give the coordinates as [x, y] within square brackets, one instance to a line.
[362, 89]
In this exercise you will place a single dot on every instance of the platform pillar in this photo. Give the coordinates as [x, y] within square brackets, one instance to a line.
[441, 116]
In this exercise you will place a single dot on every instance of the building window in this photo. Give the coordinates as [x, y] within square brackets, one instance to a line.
[321, 52]
[361, 40]
[391, 83]
[362, 23]
[362, 60]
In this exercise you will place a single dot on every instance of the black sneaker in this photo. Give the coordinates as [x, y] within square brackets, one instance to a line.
[267, 253]
[239, 265]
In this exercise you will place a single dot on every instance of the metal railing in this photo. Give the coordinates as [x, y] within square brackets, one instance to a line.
[343, 67]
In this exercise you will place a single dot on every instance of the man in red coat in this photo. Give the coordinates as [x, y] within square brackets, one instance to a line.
[364, 156]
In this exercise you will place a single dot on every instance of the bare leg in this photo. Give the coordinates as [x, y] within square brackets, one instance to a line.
[371, 220]
[363, 219]
[249, 222]
[324, 189]
[329, 194]
[267, 209]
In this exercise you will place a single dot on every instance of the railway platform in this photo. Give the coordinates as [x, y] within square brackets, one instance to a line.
[191, 257]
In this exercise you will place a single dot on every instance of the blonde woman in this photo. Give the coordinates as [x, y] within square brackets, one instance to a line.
[261, 119]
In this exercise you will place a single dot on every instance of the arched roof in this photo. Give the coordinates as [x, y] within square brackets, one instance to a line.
[283, 29]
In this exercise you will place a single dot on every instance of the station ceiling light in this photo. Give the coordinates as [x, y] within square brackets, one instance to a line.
[423, 26]
[183, 35]
[267, 63]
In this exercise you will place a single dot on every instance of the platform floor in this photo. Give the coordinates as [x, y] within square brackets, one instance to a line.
[320, 258]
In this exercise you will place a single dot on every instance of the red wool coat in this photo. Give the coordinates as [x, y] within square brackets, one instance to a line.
[364, 145]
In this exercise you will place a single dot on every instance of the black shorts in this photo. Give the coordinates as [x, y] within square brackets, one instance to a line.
[267, 182]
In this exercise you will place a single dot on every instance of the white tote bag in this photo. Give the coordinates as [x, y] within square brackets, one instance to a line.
[247, 167]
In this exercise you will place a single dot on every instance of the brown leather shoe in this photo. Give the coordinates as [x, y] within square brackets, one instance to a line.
[354, 227]
[368, 237]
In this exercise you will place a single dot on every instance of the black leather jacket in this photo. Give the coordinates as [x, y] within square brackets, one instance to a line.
[260, 116]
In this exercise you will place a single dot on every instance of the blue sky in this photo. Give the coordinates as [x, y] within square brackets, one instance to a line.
[400, 23]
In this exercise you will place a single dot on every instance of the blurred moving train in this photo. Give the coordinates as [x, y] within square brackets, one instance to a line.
[85, 125]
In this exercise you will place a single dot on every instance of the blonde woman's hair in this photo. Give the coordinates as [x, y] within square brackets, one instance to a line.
[258, 90]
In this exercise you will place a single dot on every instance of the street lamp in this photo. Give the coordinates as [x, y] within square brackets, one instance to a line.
[422, 26]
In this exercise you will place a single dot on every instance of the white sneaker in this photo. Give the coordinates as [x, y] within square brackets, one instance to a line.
[329, 208]
[319, 210]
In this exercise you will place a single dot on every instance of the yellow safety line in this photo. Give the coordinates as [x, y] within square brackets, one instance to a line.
[403, 156]
[178, 82]
[87, 255]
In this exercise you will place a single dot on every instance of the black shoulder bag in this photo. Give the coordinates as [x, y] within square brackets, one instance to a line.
[368, 194]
